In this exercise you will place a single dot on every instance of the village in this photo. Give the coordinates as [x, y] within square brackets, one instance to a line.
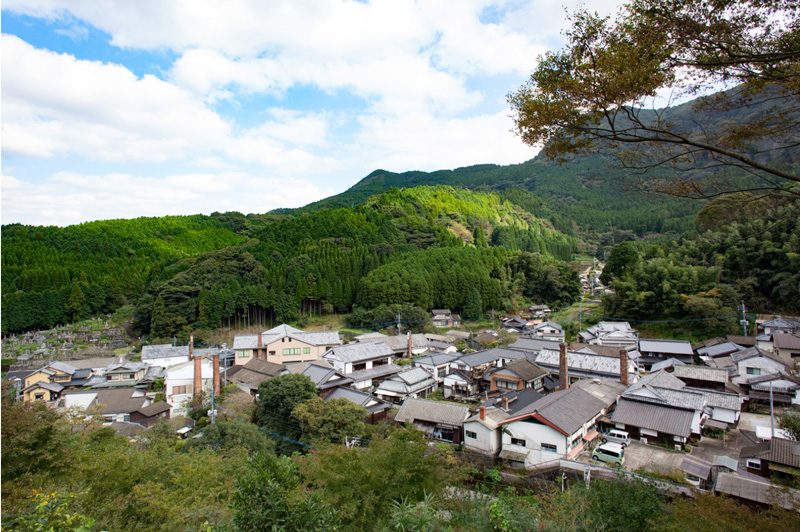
[690, 417]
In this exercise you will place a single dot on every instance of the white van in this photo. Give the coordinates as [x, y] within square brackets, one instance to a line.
[610, 453]
[617, 436]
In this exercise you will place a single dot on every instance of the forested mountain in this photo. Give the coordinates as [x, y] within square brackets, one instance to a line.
[230, 269]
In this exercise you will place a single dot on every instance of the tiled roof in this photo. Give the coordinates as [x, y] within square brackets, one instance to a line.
[664, 364]
[701, 373]
[250, 341]
[439, 412]
[670, 347]
[367, 400]
[492, 417]
[781, 323]
[525, 370]
[154, 409]
[375, 372]
[490, 355]
[786, 341]
[719, 350]
[435, 359]
[533, 344]
[653, 417]
[359, 352]
[566, 409]
[585, 362]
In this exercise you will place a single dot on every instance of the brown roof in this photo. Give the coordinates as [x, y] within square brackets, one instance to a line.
[118, 401]
[267, 368]
[526, 370]
[154, 409]
[746, 341]
[786, 341]
[780, 451]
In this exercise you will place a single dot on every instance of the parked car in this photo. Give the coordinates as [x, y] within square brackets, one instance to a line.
[617, 436]
[610, 453]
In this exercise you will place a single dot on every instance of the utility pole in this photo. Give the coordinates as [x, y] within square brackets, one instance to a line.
[580, 315]
[771, 413]
[744, 319]
[399, 325]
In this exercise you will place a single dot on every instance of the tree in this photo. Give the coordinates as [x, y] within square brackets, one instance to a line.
[598, 87]
[473, 308]
[790, 422]
[74, 306]
[277, 399]
[330, 421]
[624, 258]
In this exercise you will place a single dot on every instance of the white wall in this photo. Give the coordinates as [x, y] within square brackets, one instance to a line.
[724, 415]
[534, 435]
[166, 362]
[487, 441]
[766, 365]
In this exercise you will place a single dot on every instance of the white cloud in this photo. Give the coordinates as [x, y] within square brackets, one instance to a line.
[55, 104]
[67, 198]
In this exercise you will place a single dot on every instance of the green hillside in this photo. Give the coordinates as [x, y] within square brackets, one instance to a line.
[226, 269]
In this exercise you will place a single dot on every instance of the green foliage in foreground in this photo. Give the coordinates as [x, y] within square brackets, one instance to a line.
[93, 479]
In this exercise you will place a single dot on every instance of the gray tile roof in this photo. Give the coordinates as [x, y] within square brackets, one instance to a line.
[435, 359]
[439, 412]
[250, 341]
[533, 344]
[359, 352]
[490, 355]
[731, 401]
[409, 381]
[374, 373]
[367, 400]
[781, 323]
[670, 347]
[653, 417]
[664, 364]
[582, 362]
[701, 373]
[669, 397]
[567, 409]
[719, 350]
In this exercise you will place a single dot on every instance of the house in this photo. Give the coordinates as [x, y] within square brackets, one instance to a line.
[777, 456]
[460, 384]
[541, 312]
[438, 419]
[376, 409]
[482, 360]
[703, 376]
[753, 362]
[559, 425]
[613, 333]
[518, 375]
[786, 346]
[284, 345]
[324, 377]
[486, 337]
[411, 382]
[359, 356]
[443, 317]
[437, 364]
[655, 350]
[147, 416]
[122, 374]
[779, 324]
[250, 376]
[515, 323]
[190, 380]
[458, 335]
[666, 365]
[781, 387]
[116, 404]
[714, 351]
[370, 378]
[482, 431]
[549, 331]
[48, 382]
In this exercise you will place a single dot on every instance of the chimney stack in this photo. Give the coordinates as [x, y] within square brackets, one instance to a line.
[483, 412]
[216, 374]
[563, 367]
[505, 404]
[197, 389]
[191, 346]
[623, 366]
[410, 352]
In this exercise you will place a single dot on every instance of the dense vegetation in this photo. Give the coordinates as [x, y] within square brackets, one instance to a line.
[260, 269]
[61, 474]
[754, 258]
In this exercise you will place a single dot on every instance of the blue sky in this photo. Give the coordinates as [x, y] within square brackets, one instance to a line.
[118, 109]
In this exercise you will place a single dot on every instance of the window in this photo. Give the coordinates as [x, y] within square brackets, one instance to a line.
[517, 441]
[39, 397]
[360, 367]
[177, 390]
[471, 434]
[549, 447]
[291, 351]
[306, 350]
[244, 354]
[441, 373]
[380, 362]
[754, 371]
[754, 463]
[506, 385]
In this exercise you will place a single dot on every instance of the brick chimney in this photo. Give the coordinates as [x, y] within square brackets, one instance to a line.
[483, 412]
[215, 360]
[197, 389]
[563, 367]
[191, 346]
[623, 366]
[410, 352]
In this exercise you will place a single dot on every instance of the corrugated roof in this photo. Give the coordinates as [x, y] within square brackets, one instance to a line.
[653, 417]
[696, 468]
[756, 490]
[439, 412]
[781, 451]
[359, 352]
[670, 347]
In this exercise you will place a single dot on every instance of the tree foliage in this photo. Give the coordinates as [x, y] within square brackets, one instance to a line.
[277, 398]
[330, 421]
[598, 87]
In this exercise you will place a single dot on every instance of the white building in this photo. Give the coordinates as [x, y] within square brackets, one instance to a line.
[179, 384]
